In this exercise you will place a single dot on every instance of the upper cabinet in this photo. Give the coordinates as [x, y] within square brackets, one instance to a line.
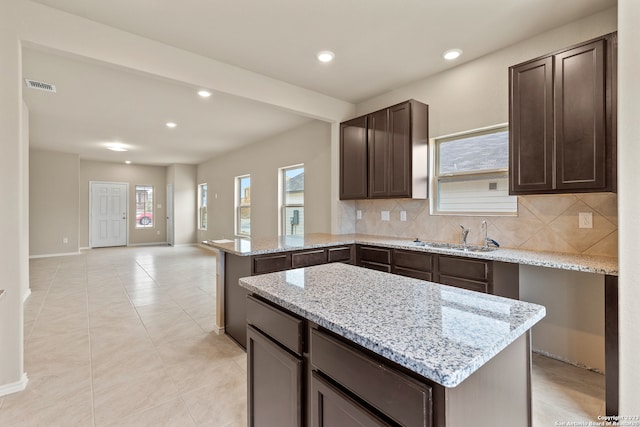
[385, 154]
[563, 121]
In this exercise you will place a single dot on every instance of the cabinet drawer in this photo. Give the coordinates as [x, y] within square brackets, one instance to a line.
[401, 398]
[413, 260]
[280, 326]
[379, 255]
[472, 285]
[340, 254]
[270, 263]
[375, 266]
[308, 258]
[416, 274]
[467, 268]
[332, 407]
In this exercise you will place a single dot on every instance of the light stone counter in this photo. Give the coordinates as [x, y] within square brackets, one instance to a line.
[440, 332]
[563, 261]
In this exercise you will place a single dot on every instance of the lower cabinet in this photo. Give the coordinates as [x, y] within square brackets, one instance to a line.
[300, 374]
[274, 383]
[331, 407]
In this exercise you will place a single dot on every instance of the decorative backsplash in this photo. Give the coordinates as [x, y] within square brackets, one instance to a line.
[544, 223]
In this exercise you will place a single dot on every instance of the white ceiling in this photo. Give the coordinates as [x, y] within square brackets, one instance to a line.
[379, 45]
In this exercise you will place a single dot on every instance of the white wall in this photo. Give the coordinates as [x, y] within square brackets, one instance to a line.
[475, 94]
[309, 144]
[12, 193]
[54, 214]
[629, 203]
[185, 199]
[24, 252]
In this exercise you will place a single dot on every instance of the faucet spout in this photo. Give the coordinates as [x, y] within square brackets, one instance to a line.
[463, 236]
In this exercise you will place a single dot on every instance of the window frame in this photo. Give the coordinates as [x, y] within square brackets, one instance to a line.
[239, 205]
[282, 226]
[436, 177]
[202, 216]
[145, 187]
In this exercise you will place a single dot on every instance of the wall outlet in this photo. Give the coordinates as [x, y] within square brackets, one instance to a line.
[159, 205]
[358, 214]
[585, 220]
[65, 240]
[403, 215]
[158, 232]
[384, 215]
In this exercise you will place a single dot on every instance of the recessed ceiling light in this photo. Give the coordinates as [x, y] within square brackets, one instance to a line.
[325, 56]
[204, 93]
[128, 162]
[451, 54]
[171, 125]
[116, 146]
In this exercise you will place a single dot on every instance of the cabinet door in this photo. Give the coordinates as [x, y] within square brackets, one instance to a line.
[378, 145]
[274, 383]
[353, 159]
[531, 127]
[580, 108]
[400, 146]
[331, 407]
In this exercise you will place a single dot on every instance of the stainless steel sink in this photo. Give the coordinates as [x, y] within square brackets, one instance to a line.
[455, 246]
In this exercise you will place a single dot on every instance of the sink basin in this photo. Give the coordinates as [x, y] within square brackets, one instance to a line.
[455, 247]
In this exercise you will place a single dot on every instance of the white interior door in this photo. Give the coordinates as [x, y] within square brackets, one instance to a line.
[170, 228]
[108, 214]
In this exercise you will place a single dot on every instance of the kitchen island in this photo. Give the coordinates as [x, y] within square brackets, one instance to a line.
[388, 348]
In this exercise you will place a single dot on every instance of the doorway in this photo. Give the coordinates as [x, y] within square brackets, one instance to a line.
[108, 214]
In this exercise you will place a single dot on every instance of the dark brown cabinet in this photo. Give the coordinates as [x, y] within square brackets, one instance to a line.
[235, 296]
[275, 367]
[364, 378]
[353, 159]
[374, 257]
[418, 265]
[385, 154]
[562, 121]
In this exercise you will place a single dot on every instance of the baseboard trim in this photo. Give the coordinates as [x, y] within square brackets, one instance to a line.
[218, 330]
[26, 295]
[14, 387]
[54, 255]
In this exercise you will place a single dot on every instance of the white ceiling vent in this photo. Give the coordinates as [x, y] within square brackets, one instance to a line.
[34, 84]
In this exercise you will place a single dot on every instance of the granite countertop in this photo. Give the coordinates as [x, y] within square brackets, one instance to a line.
[563, 261]
[440, 332]
[1, 293]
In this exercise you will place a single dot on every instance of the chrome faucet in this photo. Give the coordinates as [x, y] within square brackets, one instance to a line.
[488, 240]
[463, 236]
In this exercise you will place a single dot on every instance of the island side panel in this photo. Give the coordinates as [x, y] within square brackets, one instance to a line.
[220, 262]
[235, 297]
[499, 393]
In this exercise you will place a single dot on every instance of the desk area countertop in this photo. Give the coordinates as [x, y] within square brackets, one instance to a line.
[441, 333]
[563, 261]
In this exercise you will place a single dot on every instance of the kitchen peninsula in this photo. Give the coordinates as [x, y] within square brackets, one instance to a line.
[241, 257]
[385, 348]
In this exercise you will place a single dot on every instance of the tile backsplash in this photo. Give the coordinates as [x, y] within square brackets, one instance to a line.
[543, 223]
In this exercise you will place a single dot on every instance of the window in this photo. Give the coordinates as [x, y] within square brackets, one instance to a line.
[471, 174]
[243, 205]
[144, 206]
[292, 201]
[202, 206]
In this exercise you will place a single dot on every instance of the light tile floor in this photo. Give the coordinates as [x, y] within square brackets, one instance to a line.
[122, 337]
